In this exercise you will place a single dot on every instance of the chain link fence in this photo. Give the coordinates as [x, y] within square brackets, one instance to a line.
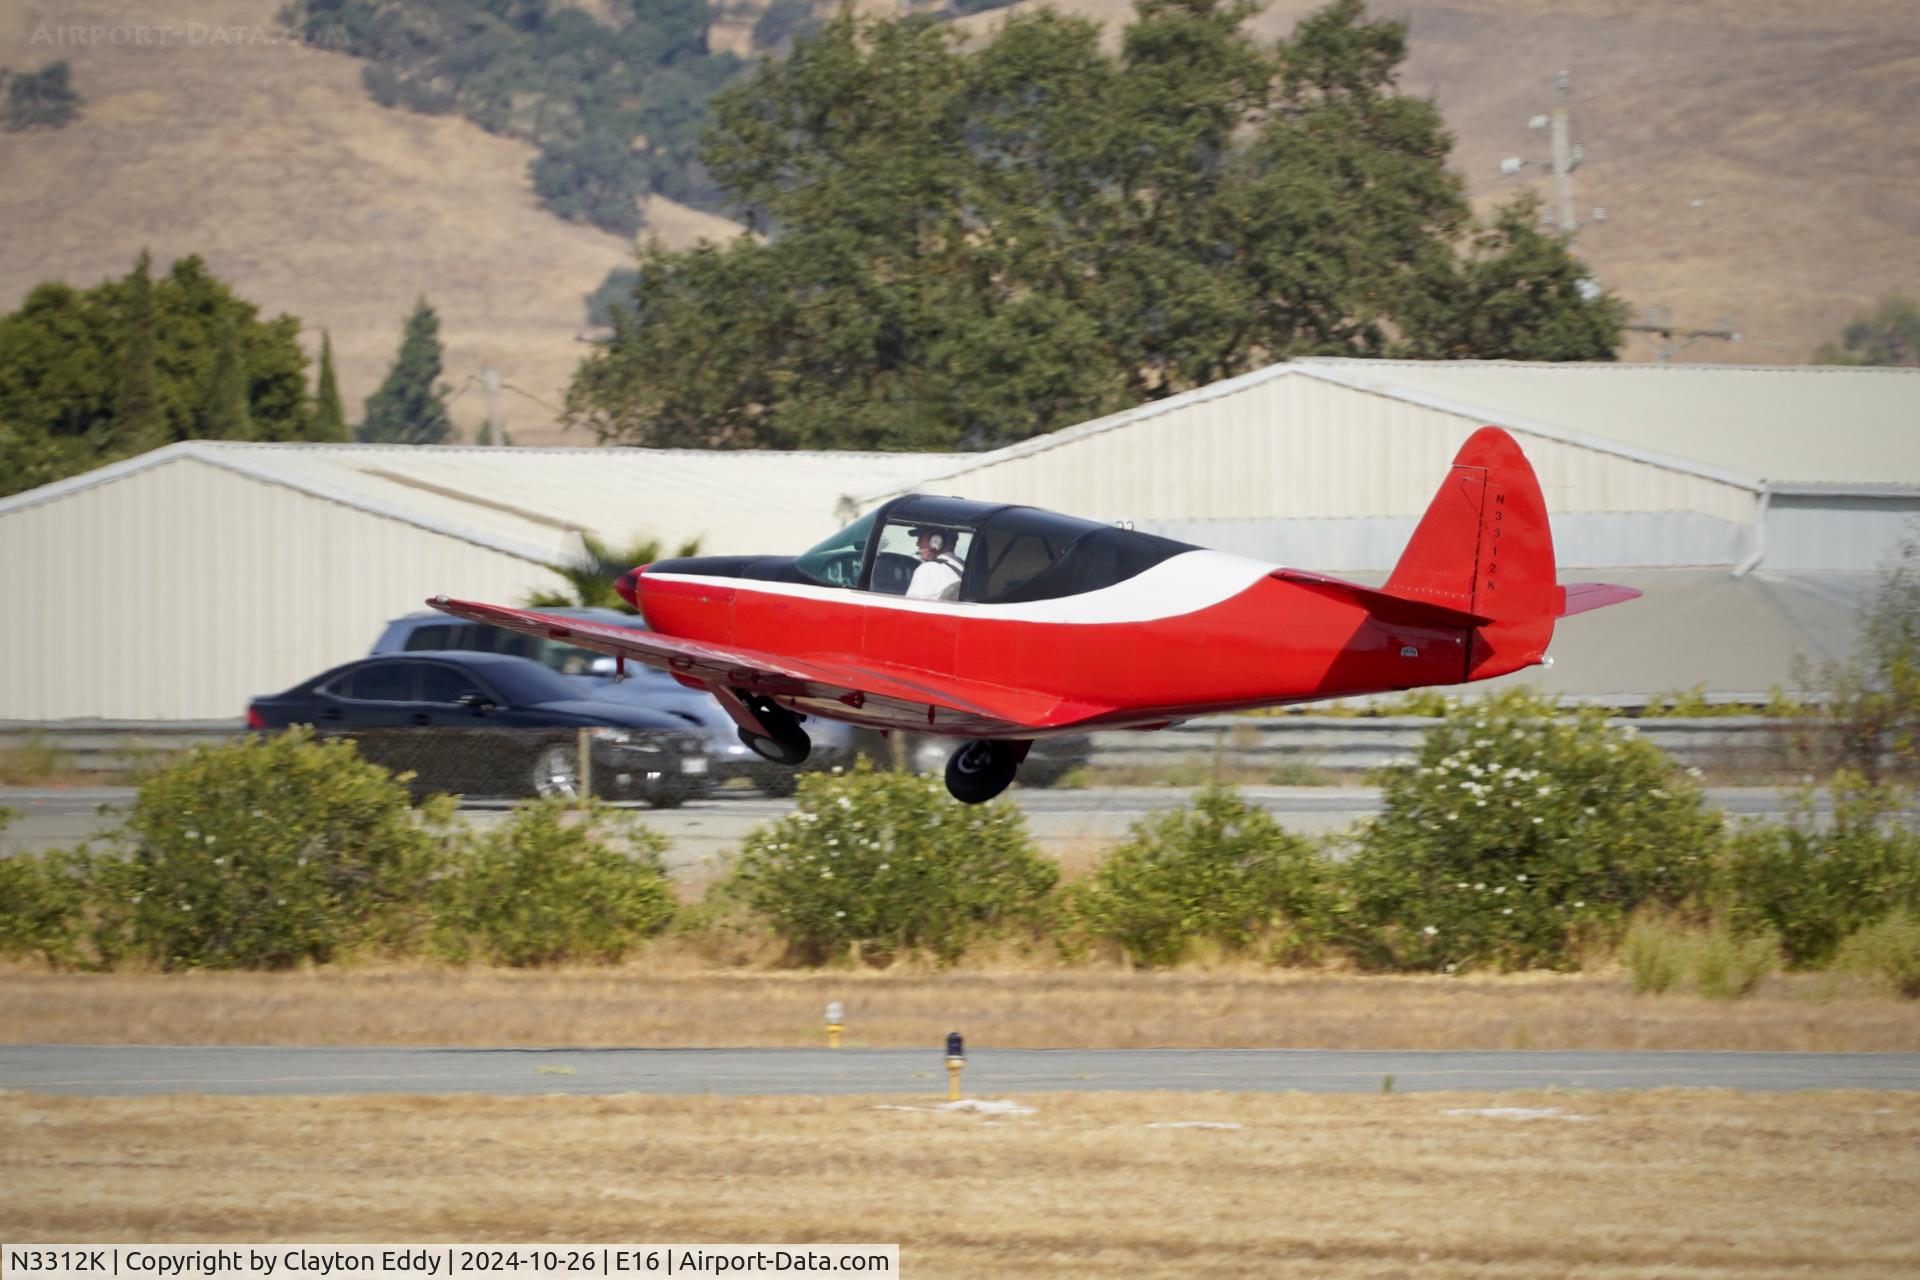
[659, 767]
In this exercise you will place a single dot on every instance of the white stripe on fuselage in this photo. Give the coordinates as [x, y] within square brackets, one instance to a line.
[1186, 583]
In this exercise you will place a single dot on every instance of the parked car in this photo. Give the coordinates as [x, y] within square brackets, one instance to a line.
[490, 724]
[834, 744]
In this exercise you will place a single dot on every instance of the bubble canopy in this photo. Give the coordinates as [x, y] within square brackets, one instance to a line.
[1007, 554]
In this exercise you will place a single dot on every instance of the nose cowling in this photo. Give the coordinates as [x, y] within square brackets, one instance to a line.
[628, 585]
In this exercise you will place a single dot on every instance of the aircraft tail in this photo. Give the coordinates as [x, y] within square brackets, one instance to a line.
[1484, 548]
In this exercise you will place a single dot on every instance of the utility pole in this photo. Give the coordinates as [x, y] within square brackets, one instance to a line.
[495, 434]
[1567, 155]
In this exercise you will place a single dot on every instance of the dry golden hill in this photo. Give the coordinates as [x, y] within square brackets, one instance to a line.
[1757, 159]
[203, 131]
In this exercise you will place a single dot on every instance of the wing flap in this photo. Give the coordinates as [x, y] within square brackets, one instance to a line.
[847, 681]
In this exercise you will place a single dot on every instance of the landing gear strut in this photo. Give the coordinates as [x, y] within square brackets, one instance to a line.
[979, 771]
[784, 741]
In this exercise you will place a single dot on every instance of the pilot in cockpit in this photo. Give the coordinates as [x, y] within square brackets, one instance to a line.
[938, 575]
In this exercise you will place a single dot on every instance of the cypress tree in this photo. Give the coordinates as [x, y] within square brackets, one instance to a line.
[138, 423]
[329, 418]
[223, 404]
[411, 406]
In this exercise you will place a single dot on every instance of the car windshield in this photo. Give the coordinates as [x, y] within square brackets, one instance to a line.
[526, 683]
[836, 561]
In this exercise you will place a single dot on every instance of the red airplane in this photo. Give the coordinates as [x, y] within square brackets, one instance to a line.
[1003, 624]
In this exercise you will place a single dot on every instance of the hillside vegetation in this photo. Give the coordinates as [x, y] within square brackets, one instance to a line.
[1755, 161]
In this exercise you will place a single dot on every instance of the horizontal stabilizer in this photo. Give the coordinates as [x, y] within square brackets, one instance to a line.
[1582, 596]
[1385, 604]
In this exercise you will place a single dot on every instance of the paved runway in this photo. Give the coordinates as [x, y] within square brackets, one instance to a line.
[119, 1070]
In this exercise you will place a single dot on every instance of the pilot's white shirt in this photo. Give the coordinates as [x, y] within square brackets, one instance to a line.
[935, 579]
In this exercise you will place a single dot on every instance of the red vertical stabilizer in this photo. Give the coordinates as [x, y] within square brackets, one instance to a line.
[1484, 547]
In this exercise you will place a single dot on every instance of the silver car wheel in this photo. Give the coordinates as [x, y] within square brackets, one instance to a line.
[556, 772]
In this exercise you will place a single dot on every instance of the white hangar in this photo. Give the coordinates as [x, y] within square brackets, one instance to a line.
[1753, 507]
[179, 584]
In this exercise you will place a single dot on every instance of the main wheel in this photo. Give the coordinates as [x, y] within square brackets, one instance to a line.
[979, 771]
[784, 741]
[556, 771]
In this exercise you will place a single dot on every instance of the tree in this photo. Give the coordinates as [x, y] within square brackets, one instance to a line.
[961, 246]
[411, 405]
[1872, 699]
[223, 407]
[1887, 335]
[137, 424]
[91, 376]
[329, 418]
[590, 579]
[42, 98]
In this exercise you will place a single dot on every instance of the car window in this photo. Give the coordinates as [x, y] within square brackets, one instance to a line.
[382, 682]
[437, 636]
[441, 683]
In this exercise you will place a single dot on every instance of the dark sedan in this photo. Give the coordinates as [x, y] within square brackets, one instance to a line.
[486, 724]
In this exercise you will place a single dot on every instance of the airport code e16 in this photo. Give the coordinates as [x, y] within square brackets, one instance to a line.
[441, 1262]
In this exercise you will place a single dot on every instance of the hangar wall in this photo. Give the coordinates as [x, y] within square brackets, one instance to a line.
[179, 591]
[1281, 443]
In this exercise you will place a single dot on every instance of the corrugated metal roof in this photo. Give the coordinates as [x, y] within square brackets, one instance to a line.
[1809, 425]
[529, 502]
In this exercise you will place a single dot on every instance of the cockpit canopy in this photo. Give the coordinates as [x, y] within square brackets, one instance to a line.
[1003, 554]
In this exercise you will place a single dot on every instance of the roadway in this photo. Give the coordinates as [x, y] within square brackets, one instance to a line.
[125, 1070]
[705, 833]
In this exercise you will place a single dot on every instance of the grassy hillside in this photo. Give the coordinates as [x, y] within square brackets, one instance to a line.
[274, 163]
[1756, 159]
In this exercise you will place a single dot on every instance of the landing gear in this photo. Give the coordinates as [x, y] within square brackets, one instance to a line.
[980, 771]
[784, 741]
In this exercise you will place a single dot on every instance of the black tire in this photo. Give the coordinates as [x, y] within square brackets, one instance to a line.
[980, 770]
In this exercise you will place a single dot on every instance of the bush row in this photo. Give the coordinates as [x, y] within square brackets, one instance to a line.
[269, 853]
[1518, 838]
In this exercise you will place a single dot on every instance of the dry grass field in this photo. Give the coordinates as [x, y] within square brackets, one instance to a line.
[1668, 1183]
[675, 1003]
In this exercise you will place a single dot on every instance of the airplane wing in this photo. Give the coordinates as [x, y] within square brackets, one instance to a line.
[1582, 596]
[950, 706]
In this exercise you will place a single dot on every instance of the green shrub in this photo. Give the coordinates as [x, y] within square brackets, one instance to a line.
[1889, 951]
[1519, 835]
[1220, 870]
[888, 864]
[1814, 882]
[43, 905]
[1656, 956]
[546, 887]
[261, 854]
[1728, 965]
[1719, 963]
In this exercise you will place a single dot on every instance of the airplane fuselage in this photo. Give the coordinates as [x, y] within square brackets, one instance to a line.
[1202, 631]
